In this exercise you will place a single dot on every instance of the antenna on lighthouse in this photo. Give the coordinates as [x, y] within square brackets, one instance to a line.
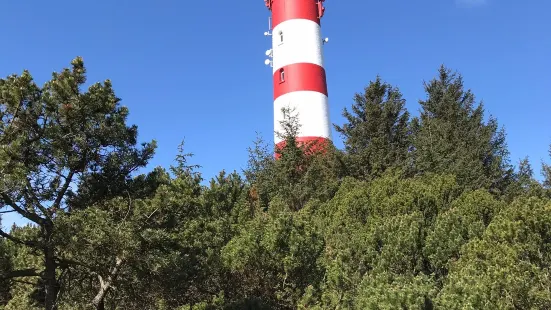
[267, 33]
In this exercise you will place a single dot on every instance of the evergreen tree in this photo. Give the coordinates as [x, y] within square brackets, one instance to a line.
[523, 183]
[508, 266]
[546, 172]
[259, 160]
[376, 131]
[54, 139]
[525, 174]
[375, 235]
[274, 258]
[450, 136]
[298, 232]
[301, 171]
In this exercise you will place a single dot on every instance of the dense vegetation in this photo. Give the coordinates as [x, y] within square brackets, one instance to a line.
[414, 213]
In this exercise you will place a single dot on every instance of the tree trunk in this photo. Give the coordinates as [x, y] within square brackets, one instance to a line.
[50, 280]
[99, 300]
[101, 305]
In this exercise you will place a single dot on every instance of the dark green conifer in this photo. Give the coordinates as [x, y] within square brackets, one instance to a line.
[376, 131]
[451, 136]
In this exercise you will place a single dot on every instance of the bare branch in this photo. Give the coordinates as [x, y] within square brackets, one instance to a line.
[150, 215]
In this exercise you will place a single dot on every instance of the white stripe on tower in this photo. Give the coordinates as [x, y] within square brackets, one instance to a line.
[298, 72]
[301, 43]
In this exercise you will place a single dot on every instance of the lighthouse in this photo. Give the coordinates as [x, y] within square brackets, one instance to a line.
[296, 57]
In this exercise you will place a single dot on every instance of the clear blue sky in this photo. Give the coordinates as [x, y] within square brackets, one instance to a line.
[195, 69]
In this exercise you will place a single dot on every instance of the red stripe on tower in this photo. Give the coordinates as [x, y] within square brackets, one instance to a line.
[297, 77]
[298, 74]
[283, 10]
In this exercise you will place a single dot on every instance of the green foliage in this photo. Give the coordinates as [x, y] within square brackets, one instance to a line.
[376, 232]
[508, 267]
[56, 138]
[450, 136]
[386, 291]
[207, 223]
[274, 257]
[376, 132]
[301, 173]
[524, 184]
[426, 214]
[26, 291]
[466, 219]
[6, 266]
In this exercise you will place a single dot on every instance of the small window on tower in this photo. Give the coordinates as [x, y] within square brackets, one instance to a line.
[281, 76]
[281, 37]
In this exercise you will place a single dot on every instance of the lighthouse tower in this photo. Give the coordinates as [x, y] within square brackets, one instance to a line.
[298, 74]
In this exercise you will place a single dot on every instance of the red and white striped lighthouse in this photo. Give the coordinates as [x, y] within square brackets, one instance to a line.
[298, 73]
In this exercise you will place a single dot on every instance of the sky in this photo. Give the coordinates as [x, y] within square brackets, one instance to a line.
[194, 70]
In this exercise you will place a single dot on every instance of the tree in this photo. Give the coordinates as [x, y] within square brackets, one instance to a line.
[108, 244]
[523, 183]
[450, 136]
[54, 139]
[26, 291]
[259, 159]
[525, 174]
[5, 269]
[376, 132]
[303, 170]
[465, 220]
[259, 163]
[273, 258]
[546, 171]
[508, 267]
[375, 237]
[207, 218]
[162, 251]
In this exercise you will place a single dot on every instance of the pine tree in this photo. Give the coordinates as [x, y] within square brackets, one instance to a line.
[54, 139]
[376, 131]
[450, 136]
[302, 170]
[525, 172]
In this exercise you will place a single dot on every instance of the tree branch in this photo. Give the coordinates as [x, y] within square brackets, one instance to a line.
[17, 240]
[63, 190]
[105, 285]
[24, 282]
[21, 273]
[65, 263]
[36, 201]
[31, 216]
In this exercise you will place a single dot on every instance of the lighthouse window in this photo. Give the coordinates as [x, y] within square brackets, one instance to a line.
[281, 76]
[280, 37]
